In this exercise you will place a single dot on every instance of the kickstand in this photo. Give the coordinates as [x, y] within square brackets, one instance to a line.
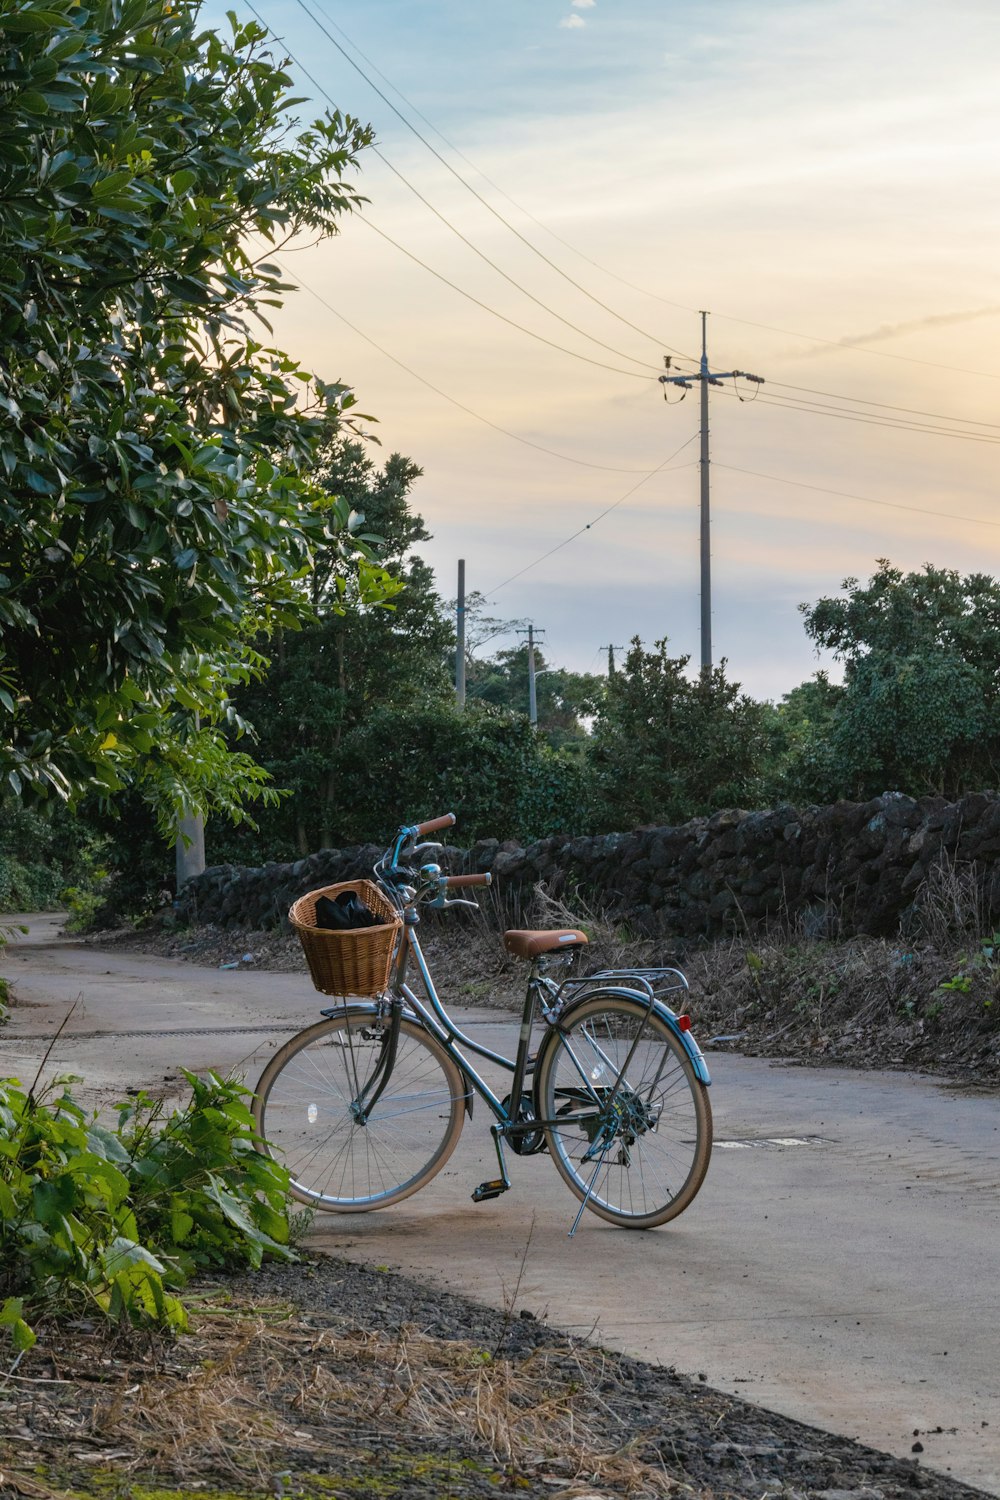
[590, 1188]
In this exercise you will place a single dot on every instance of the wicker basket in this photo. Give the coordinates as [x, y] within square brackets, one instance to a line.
[352, 962]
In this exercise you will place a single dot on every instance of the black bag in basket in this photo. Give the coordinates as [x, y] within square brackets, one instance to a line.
[347, 912]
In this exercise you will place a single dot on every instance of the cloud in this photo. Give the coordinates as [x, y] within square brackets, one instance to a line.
[584, 4]
[572, 23]
[895, 330]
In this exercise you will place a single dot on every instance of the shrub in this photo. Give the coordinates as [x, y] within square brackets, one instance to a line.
[116, 1220]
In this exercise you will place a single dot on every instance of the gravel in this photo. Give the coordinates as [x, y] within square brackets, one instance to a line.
[702, 1440]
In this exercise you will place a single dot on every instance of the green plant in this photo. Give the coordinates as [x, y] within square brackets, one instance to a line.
[755, 964]
[961, 984]
[157, 452]
[82, 904]
[118, 1219]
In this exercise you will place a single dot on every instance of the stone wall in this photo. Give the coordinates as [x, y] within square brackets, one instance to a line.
[850, 867]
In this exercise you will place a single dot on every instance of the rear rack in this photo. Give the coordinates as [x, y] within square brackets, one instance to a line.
[657, 984]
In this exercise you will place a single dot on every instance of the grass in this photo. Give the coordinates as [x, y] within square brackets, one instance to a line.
[258, 1398]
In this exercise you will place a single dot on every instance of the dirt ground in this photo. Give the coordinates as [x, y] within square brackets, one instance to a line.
[331, 1379]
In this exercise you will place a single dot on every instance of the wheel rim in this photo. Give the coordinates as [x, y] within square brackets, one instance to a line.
[338, 1157]
[637, 1148]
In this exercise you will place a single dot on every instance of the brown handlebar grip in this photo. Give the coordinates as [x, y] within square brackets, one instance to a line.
[454, 881]
[433, 824]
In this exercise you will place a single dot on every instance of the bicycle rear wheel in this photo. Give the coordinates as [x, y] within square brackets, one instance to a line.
[311, 1111]
[637, 1136]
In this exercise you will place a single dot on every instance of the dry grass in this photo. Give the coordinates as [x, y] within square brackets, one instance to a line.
[256, 1392]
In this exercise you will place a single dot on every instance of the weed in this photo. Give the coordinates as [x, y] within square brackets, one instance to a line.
[117, 1220]
[83, 904]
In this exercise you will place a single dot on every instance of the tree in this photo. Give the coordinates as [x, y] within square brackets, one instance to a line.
[563, 698]
[156, 509]
[800, 764]
[484, 764]
[329, 678]
[920, 708]
[667, 746]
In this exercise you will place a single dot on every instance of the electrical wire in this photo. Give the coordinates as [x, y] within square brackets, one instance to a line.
[865, 499]
[453, 227]
[882, 405]
[582, 463]
[605, 270]
[660, 469]
[819, 409]
[468, 186]
[510, 321]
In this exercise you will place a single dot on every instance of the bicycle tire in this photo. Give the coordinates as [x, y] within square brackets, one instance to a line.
[659, 1145]
[302, 1111]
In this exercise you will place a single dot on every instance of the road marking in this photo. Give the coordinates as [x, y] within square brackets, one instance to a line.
[773, 1142]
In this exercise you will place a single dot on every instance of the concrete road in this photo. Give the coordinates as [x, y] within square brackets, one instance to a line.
[841, 1264]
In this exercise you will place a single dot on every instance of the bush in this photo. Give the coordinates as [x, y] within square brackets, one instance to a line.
[116, 1221]
[40, 854]
[485, 764]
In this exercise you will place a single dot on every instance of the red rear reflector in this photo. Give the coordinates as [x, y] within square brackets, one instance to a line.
[684, 1022]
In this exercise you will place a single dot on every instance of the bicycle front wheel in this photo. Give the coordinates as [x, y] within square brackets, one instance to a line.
[350, 1145]
[637, 1137]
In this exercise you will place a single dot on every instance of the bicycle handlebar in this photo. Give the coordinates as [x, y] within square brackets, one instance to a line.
[452, 882]
[433, 824]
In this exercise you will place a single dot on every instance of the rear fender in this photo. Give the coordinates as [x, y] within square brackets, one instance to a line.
[666, 1015]
[687, 1041]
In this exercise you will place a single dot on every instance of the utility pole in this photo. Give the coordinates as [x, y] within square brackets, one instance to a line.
[532, 699]
[705, 378]
[190, 847]
[460, 637]
[611, 658]
[189, 843]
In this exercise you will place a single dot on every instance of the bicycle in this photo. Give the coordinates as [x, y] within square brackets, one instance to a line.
[366, 1106]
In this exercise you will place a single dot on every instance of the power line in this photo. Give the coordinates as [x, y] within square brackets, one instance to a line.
[517, 438]
[660, 468]
[606, 271]
[865, 499]
[467, 185]
[883, 405]
[510, 321]
[454, 228]
[818, 409]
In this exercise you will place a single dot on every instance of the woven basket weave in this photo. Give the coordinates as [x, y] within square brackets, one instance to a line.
[352, 962]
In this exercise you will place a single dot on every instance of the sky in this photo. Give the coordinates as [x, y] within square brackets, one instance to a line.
[821, 176]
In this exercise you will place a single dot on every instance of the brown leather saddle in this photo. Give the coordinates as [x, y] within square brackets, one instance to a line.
[533, 944]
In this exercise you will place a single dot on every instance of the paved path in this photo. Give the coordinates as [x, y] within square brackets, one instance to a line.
[851, 1281]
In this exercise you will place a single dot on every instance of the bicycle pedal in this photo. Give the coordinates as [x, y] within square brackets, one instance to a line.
[491, 1189]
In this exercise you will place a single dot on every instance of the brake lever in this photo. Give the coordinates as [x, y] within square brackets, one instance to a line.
[457, 902]
[423, 848]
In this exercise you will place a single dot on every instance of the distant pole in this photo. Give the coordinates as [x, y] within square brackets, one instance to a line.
[189, 849]
[532, 699]
[706, 531]
[190, 856]
[705, 378]
[611, 659]
[460, 637]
